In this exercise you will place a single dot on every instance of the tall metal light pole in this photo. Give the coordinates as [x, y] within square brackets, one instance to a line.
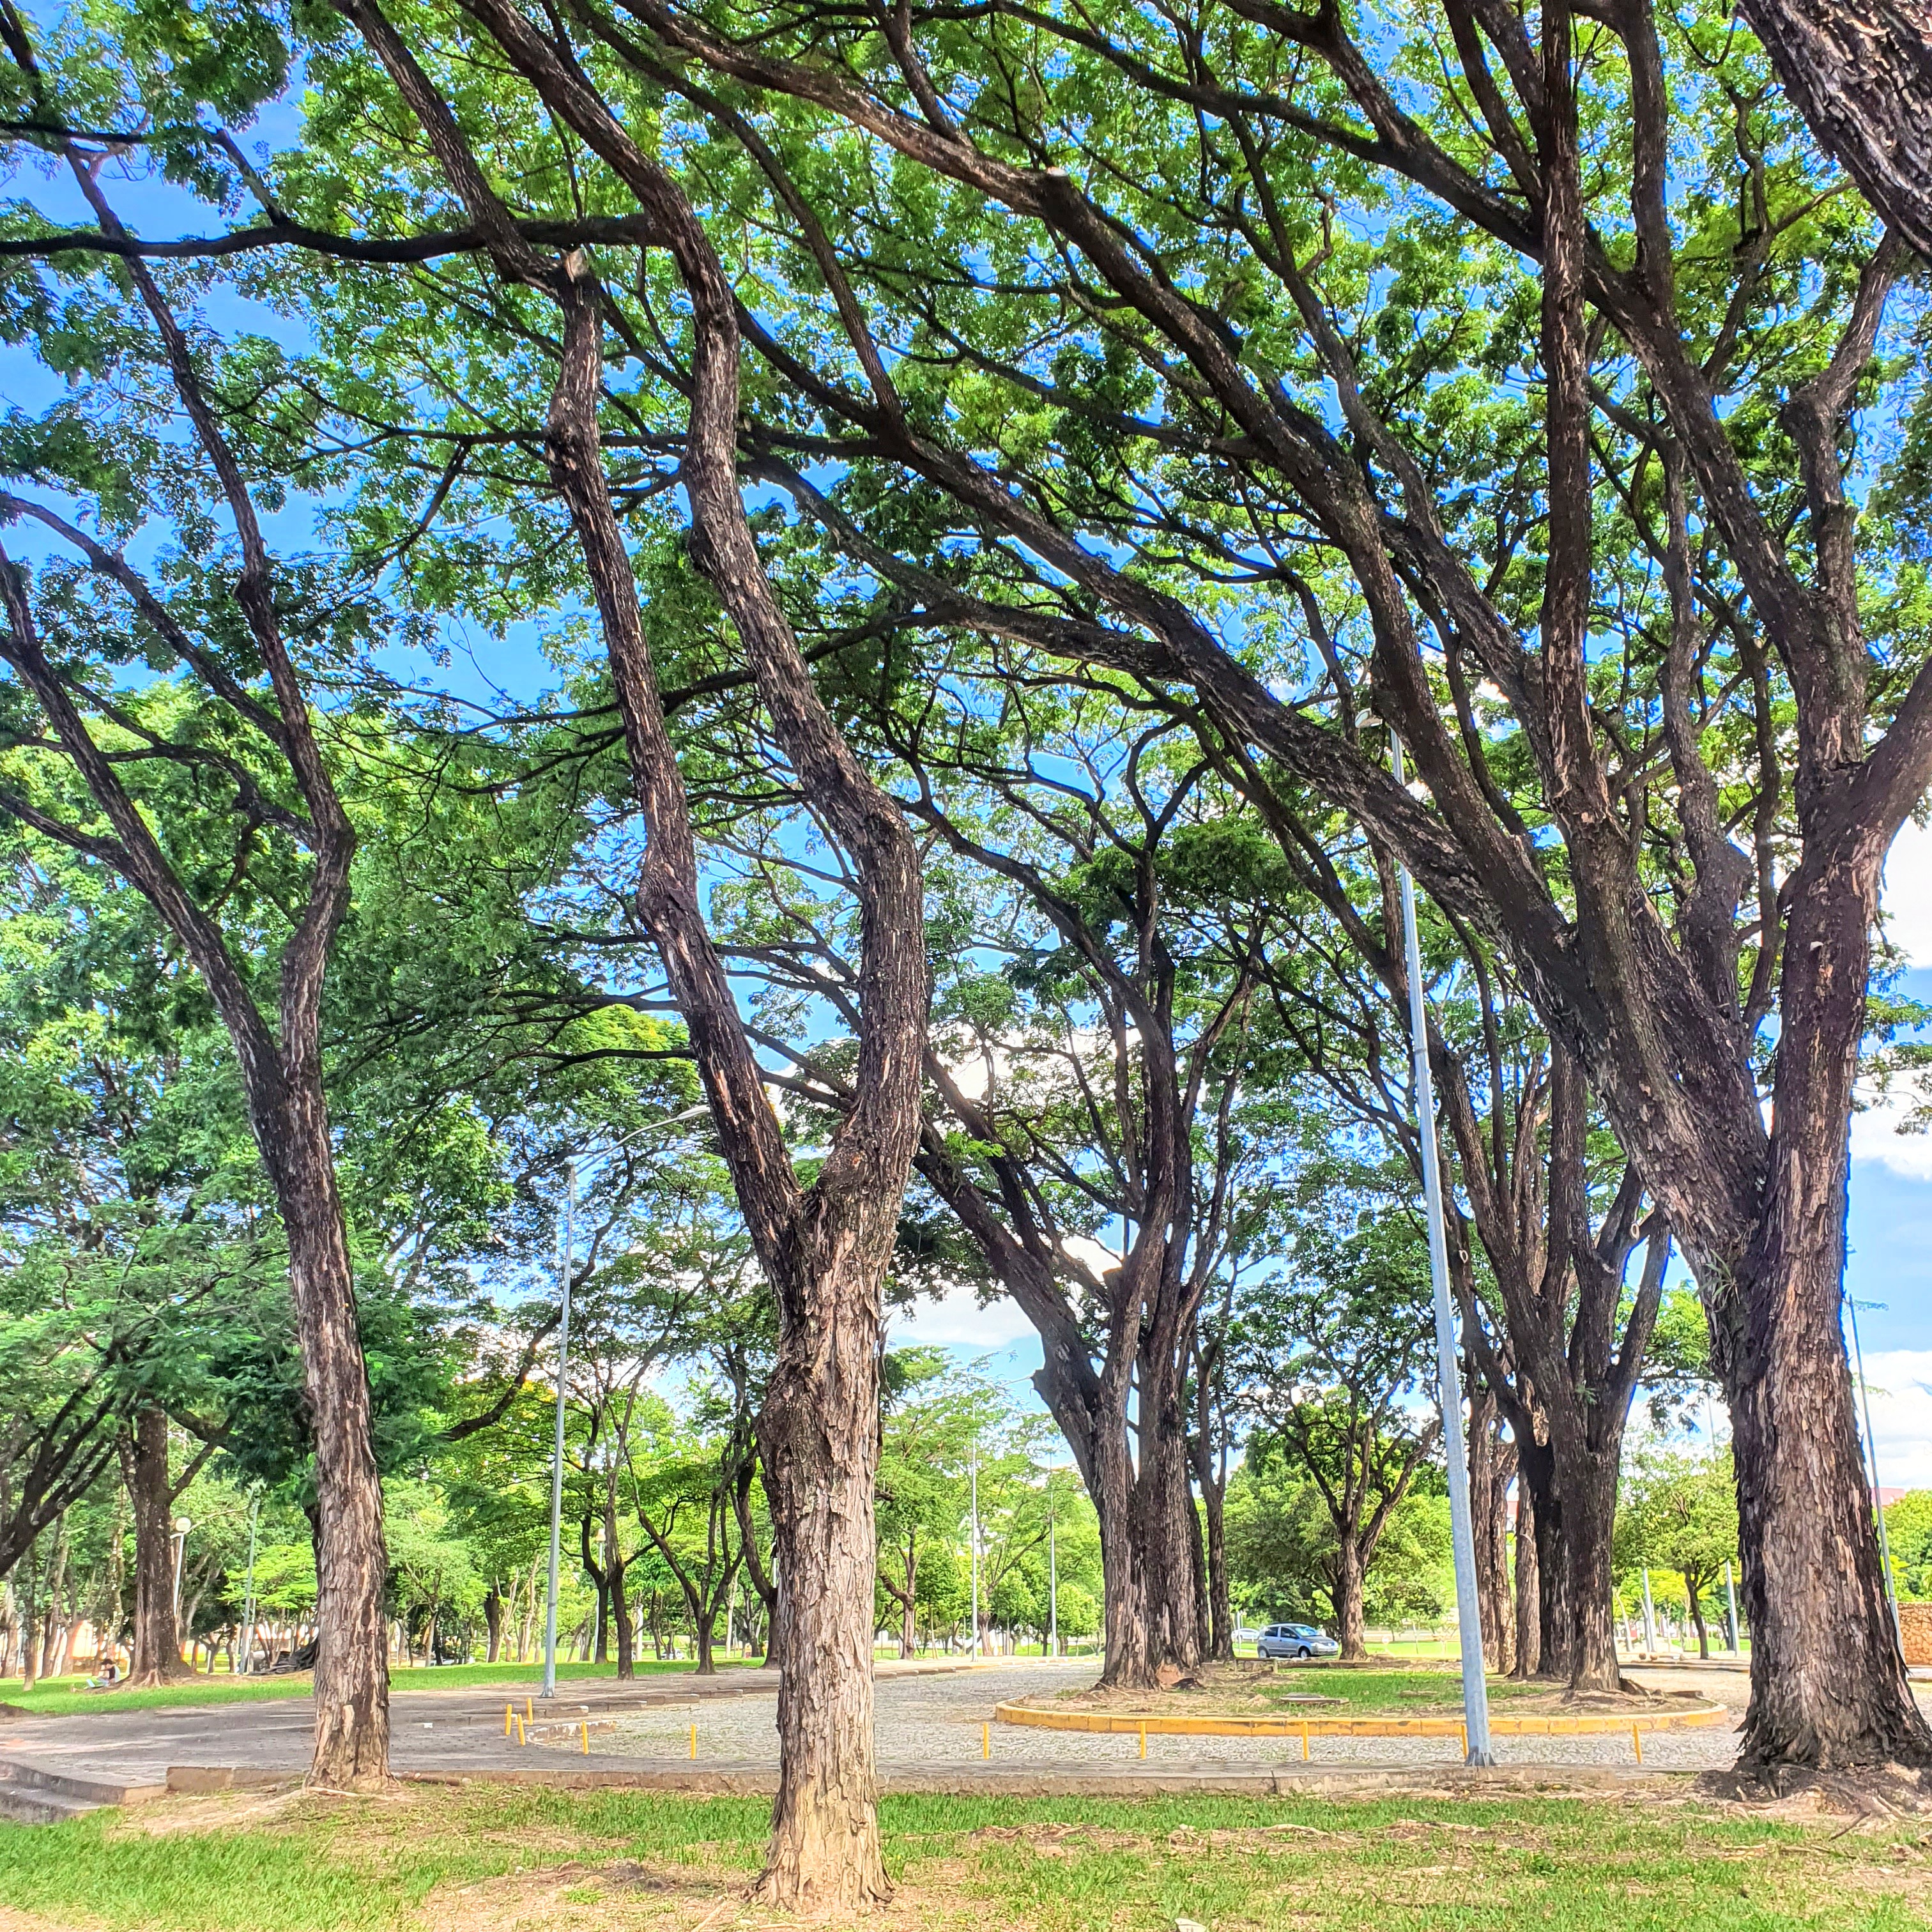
[1871, 1454]
[567, 1256]
[975, 1480]
[248, 1592]
[1469, 1612]
[1052, 1575]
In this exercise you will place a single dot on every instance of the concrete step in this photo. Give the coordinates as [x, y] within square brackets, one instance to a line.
[23, 1804]
[37, 1794]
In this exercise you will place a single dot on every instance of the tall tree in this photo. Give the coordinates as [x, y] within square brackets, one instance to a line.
[1657, 957]
[823, 1245]
[1337, 1352]
[214, 797]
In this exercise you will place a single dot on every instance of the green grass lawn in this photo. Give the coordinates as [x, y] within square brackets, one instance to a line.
[455, 1857]
[69, 1696]
[1384, 1689]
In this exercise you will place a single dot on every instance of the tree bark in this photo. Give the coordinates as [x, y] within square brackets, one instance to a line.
[1861, 73]
[1490, 1463]
[157, 1646]
[493, 1622]
[1347, 1595]
[351, 1665]
[818, 1438]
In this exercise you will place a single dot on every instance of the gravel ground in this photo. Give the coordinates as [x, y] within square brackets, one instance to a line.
[933, 1722]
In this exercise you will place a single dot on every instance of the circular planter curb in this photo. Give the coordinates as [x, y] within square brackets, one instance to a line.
[1596, 1724]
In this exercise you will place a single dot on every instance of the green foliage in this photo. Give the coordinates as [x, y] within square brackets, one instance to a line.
[1908, 1528]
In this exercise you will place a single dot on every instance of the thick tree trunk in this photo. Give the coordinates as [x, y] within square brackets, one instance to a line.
[1347, 1592]
[1589, 1519]
[157, 1646]
[352, 1668]
[493, 1623]
[1556, 1620]
[1167, 1531]
[818, 1435]
[1129, 1662]
[704, 1624]
[1829, 1688]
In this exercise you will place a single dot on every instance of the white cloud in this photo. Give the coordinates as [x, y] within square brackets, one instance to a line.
[1875, 1137]
[1899, 1381]
[956, 1320]
[1907, 896]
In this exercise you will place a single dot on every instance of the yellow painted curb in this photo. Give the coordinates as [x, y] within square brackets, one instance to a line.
[1594, 1725]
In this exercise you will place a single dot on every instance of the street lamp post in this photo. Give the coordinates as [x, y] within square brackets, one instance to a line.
[1871, 1454]
[1052, 1578]
[975, 1480]
[181, 1526]
[567, 1252]
[1468, 1613]
[248, 1593]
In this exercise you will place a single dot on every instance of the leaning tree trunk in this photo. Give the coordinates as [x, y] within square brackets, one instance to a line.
[352, 1666]
[156, 1655]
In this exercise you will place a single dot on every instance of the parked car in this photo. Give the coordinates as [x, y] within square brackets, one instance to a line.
[1299, 1641]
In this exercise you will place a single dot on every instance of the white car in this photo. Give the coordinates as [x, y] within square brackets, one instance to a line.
[1299, 1641]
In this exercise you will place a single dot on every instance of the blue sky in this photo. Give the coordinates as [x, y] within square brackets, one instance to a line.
[1890, 1272]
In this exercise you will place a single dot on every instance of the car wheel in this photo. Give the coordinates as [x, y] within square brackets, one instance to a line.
[1303, 1653]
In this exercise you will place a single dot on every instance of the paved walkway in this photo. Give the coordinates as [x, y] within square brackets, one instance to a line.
[931, 1720]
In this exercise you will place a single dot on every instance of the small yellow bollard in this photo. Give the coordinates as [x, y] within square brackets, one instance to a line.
[1143, 1741]
[1636, 1739]
[521, 1738]
[985, 1741]
[586, 1737]
[530, 1710]
[508, 1712]
[1304, 1740]
[694, 1743]
[1466, 1741]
